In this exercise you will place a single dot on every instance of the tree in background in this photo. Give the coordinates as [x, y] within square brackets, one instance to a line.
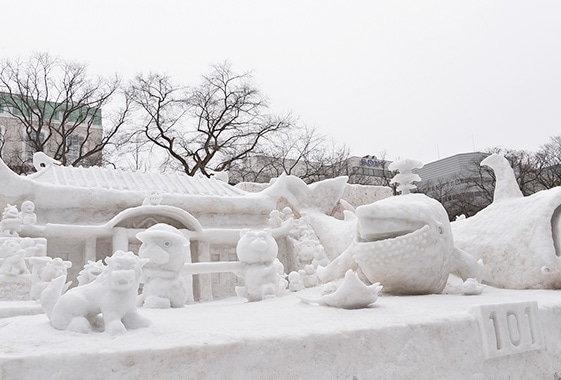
[548, 163]
[299, 151]
[474, 189]
[206, 128]
[54, 106]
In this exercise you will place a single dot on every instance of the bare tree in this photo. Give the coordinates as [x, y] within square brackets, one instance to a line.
[56, 108]
[548, 163]
[299, 151]
[206, 128]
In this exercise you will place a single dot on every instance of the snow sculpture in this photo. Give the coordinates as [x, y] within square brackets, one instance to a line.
[113, 295]
[13, 262]
[11, 222]
[154, 199]
[352, 294]
[27, 214]
[405, 177]
[518, 238]
[90, 272]
[295, 282]
[404, 242]
[44, 270]
[167, 249]
[261, 270]
[41, 161]
[472, 287]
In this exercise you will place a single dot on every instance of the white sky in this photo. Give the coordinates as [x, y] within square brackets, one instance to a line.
[417, 79]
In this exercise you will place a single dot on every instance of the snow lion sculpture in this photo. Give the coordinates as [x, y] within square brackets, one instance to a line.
[112, 294]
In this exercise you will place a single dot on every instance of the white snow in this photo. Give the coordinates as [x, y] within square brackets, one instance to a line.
[421, 337]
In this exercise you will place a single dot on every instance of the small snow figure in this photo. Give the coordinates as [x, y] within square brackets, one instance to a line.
[167, 249]
[113, 294]
[44, 270]
[257, 250]
[295, 283]
[309, 276]
[405, 178]
[352, 294]
[27, 214]
[90, 272]
[11, 222]
[13, 263]
[472, 287]
[275, 219]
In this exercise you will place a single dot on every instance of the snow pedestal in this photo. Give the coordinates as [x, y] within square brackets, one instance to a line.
[445, 336]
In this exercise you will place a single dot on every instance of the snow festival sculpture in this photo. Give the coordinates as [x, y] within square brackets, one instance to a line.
[11, 222]
[113, 295]
[90, 272]
[27, 214]
[518, 238]
[405, 243]
[351, 294]
[166, 248]
[44, 270]
[261, 270]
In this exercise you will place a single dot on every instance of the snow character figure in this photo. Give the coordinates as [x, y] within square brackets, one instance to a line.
[90, 272]
[27, 214]
[44, 270]
[295, 282]
[257, 250]
[13, 262]
[113, 295]
[11, 222]
[167, 249]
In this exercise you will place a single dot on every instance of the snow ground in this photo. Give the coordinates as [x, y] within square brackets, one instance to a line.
[421, 337]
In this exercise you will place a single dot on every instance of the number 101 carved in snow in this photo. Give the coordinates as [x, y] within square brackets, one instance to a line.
[510, 328]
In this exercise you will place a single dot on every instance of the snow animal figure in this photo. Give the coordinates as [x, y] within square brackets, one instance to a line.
[404, 242]
[352, 294]
[257, 250]
[90, 272]
[44, 270]
[517, 237]
[11, 222]
[41, 161]
[295, 282]
[13, 262]
[167, 249]
[27, 214]
[113, 294]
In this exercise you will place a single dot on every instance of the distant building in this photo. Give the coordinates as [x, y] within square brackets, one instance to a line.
[16, 147]
[369, 170]
[453, 182]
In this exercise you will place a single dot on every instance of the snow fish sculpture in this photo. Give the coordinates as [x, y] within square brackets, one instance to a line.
[518, 238]
[352, 294]
[405, 243]
[113, 294]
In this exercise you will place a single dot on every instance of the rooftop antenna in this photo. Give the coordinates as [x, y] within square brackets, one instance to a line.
[437, 152]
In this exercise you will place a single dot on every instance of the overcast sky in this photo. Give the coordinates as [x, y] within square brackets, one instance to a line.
[415, 79]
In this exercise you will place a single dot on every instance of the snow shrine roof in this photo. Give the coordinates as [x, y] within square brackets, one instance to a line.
[125, 180]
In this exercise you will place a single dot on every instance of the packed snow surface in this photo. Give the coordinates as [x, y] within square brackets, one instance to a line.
[422, 337]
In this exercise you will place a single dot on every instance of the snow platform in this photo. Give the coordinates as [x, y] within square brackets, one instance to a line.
[501, 334]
